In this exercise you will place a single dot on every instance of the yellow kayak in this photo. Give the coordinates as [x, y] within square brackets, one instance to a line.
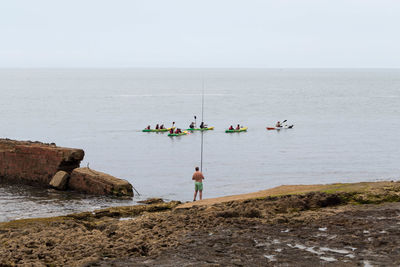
[201, 129]
[244, 129]
[178, 134]
[157, 130]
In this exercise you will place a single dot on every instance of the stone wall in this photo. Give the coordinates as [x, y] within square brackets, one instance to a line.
[47, 165]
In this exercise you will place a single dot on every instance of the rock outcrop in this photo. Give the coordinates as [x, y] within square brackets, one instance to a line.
[47, 165]
[35, 162]
[94, 182]
[280, 229]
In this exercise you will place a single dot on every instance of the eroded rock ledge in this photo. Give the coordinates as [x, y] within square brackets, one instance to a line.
[48, 165]
[317, 225]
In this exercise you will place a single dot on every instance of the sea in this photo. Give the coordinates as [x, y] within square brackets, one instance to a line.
[346, 129]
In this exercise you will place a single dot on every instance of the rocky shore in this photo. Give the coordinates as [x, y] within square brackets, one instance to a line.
[339, 224]
[48, 165]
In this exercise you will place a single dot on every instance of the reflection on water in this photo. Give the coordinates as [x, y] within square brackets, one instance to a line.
[23, 201]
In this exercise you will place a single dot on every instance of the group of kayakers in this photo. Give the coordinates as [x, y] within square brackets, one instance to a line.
[193, 125]
[158, 127]
[237, 127]
[177, 131]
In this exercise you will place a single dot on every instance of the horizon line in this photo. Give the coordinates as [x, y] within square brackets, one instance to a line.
[197, 68]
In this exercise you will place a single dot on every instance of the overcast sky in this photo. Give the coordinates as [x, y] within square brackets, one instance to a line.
[203, 33]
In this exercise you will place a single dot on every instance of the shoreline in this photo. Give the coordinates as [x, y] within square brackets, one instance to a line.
[241, 229]
[289, 190]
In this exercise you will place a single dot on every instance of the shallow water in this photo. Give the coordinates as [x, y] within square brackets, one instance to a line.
[22, 201]
[346, 129]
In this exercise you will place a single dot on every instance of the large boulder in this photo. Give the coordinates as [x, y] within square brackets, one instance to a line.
[60, 180]
[90, 181]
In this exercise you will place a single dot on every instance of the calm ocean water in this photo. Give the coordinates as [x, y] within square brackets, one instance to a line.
[346, 129]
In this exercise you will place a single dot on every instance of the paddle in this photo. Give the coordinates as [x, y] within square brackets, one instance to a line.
[173, 123]
[282, 123]
[287, 126]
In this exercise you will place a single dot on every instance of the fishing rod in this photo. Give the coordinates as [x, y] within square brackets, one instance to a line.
[202, 121]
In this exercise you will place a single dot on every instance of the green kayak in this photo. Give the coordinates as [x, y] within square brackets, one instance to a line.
[201, 129]
[156, 130]
[179, 134]
[244, 129]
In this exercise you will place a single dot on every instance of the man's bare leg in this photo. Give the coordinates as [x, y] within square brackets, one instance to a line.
[195, 194]
[201, 194]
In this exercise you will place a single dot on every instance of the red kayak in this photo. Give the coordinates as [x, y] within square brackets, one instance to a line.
[278, 128]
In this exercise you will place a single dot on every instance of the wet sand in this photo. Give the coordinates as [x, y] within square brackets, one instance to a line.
[343, 224]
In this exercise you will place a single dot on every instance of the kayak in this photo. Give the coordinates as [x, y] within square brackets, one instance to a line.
[179, 134]
[201, 129]
[156, 130]
[279, 128]
[244, 129]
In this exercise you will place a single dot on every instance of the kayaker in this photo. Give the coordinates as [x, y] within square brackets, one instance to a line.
[191, 126]
[238, 127]
[202, 125]
[157, 127]
[231, 128]
[148, 127]
[198, 177]
[162, 126]
[178, 131]
[171, 131]
[278, 124]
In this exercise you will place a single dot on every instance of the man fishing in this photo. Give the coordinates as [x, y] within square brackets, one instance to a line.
[198, 185]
